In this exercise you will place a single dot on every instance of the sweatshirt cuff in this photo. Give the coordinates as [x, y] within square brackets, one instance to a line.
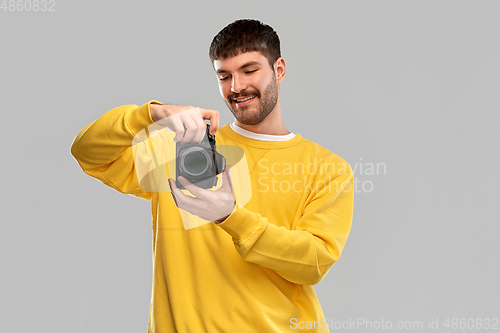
[140, 117]
[242, 223]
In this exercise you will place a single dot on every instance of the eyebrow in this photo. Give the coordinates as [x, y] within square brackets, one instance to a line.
[247, 64]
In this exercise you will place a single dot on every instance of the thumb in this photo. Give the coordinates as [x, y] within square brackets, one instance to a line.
[227, 181]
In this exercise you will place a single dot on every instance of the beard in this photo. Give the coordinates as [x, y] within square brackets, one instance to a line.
[267, 102]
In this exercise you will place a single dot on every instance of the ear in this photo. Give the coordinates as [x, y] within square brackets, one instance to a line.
[280, 69]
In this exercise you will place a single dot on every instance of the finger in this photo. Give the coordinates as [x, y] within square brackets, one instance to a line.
[181, 200]
[202, 126]
[227, 182]
[193, 189]
[177, 127]
[191, 128]
[213, 116]
[173, 195]
[172, 188]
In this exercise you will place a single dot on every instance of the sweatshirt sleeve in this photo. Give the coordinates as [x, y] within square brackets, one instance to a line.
[306, 253]
[104, 151]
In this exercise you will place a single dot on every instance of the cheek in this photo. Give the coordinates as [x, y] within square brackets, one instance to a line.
[223, 90]
[262, 83]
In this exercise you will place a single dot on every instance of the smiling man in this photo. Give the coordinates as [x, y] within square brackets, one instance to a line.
[252, 266]
[249, 87]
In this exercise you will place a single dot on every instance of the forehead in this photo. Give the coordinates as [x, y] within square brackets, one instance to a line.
[230, 64]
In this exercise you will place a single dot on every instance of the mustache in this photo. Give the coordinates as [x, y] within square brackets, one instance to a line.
[243, 93]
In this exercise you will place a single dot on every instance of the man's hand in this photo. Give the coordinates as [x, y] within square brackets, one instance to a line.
[186, 121]
[213, 206]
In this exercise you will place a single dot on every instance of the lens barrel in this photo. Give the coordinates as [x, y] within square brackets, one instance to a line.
[195, 161]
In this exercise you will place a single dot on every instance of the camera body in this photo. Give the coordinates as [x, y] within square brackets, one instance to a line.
[200, 163]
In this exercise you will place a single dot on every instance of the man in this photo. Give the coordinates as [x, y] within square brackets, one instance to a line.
[252, 266]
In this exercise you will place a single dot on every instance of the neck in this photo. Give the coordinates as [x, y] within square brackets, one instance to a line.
[272, 124]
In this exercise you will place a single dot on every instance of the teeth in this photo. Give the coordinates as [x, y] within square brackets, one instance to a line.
[244, 99]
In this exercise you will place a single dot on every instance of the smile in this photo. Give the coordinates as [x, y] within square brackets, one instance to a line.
[244, 100]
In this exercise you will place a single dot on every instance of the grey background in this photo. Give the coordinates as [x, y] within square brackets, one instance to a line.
[410, 84]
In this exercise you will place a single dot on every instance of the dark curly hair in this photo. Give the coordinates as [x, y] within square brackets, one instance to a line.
[246, 35]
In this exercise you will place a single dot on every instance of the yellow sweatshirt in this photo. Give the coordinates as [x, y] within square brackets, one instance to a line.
[254, 272]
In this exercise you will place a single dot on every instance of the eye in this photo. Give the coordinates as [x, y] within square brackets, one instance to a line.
[250, 72]
[223, 78]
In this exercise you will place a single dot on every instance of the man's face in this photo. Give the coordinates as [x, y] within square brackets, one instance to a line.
[248, 85]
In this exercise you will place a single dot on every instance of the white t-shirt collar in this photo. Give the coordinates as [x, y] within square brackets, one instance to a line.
[258, 136]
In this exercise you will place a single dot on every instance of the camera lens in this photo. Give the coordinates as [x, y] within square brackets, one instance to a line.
[195, 162]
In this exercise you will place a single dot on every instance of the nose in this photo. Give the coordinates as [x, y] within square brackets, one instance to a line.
[237, 84]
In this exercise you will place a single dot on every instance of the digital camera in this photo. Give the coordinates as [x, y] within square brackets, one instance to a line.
[199, 163]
